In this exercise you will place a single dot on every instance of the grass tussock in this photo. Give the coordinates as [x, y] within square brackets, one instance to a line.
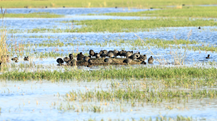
[114, 73]
[3, 50]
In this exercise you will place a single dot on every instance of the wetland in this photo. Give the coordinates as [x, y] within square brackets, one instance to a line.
[180, 84]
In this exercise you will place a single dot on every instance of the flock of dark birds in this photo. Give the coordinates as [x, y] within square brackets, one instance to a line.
[15, 59]
[107, 56]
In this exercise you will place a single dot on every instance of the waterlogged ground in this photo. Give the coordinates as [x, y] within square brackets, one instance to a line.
[48, 100]
[42, 100]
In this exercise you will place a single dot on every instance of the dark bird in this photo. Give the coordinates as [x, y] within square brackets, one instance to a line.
[135, 56]
[14, 59]
[70, 56]
[142, 57]
[128, 54]
[66, 59]
[60, 61]
[127, 61]
[86, 58]
[151, 60]
[111, 54]
[108, 60]
[97, 55]
[91, 53]
[73, 62]
[199, 27]
[26, 58]
[208, 56]
[80, 56]
[143, 62]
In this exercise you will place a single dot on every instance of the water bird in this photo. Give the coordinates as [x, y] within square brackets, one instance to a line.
[108, 60]
[111, 54]
[128, 54]
[14, 59]
[70, 56]
[143, 62]
[60, 61]
[63, 6]
[66, 59]
[86, 58]
[151, 60]
[26, 58]
[127, 61]
[91, 53]
[97, 55]
[73, 62]
[208, 56]
[142, 57]
[135, 56]
[199, 27]
[80, 56]
[116, 7]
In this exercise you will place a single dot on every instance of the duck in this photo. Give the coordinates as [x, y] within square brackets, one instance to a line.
[80, 56]
[70, 56]
[97, 55]
[91, 53]
[143, 62]
[60, 61]
[199, 27]
[115, 52]
[73, 62]
[127, 61]
[14, 59]
[26, 58]
[151, 60]
[142, 57]
[108, 60]
[135, 56]
[66, 59]
[128, 54]
[208, 56]
[86, 58]
[111, 54]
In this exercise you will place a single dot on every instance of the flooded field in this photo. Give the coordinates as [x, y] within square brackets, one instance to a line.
[179, 85]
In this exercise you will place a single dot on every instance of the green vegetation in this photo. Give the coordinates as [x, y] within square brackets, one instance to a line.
[146, 95]
[100, 3]
[196, 11]
[138, 25]
[111, 25]
[114, 73]
[32, 15]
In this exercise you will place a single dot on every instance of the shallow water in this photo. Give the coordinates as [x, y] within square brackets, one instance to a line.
[41, 100]
[73, 11]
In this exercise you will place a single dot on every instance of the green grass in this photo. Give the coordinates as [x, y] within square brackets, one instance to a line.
[198, 12]
[100, 3]
[32, 15]
[146, 95]
[111, 25]
[114, 73]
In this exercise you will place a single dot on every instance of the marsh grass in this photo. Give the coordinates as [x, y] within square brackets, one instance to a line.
[100, 3]
[193, 11]
[117, 25]
[32, 15]
[115, 73]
